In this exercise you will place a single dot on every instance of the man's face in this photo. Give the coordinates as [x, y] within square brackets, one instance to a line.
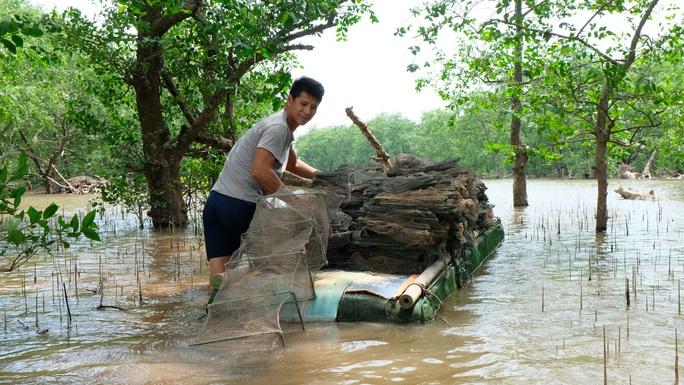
[300, 109]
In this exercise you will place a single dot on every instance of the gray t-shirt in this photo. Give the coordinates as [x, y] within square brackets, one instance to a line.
[271, 134]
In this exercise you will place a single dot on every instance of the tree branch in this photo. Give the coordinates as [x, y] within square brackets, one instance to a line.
[31, 154]
[381, 155]
[533, 7]
[214, 141]
[566, 37]
[161, 25]
[637, 34]
[189, 133]
[330, 22]
[171, 87]
[637, 128]
[55, 156]
[598, 11]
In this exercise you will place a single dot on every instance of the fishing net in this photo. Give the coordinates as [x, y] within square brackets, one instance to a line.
[276, 263]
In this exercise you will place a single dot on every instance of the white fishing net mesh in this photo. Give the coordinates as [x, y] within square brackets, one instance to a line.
[276, 263]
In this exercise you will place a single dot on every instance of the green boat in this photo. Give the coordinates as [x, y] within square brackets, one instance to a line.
[353, 296]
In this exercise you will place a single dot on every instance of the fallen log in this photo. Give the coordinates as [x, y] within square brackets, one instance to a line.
[634, 195]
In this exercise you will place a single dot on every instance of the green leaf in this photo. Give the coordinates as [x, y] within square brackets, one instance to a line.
[34, 215]
[74, 223]
[32, 31]
[8, 44]
[88, 220]
[16, 236]
[22, 168]
[17, 193]
[18, 41]
[13, 27]
[50, 210]
[4, 27]
[12, 224]
[92, 234]
[3, 175]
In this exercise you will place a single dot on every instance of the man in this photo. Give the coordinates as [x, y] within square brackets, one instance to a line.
[253, 168]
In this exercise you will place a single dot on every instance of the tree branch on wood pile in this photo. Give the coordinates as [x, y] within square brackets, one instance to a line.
[382, 156]
[72, 188]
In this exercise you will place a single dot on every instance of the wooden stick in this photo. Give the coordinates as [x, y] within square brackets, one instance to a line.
[676, 368]
[66, 300]
[627, 290]
[605, 363]
[381, 156]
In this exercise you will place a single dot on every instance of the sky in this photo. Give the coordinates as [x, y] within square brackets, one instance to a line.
[367, 71]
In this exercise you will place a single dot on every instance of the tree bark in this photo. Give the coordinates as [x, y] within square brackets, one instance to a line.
[167, 206]
[521, 157]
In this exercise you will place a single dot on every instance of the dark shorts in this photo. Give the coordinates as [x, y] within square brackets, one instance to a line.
[225, 219]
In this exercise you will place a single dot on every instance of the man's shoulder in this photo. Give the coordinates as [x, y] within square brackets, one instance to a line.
[276, 119]
[274, 124]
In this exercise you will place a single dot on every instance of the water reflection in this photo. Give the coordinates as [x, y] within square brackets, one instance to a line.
[139, 296]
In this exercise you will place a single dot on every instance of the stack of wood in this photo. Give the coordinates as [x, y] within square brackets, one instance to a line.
[78, 185]
[402, 219]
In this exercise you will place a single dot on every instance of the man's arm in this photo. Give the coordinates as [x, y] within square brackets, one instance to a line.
[299, 167]
[262, 171]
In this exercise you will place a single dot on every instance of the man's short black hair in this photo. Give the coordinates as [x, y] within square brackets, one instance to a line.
[308, 85]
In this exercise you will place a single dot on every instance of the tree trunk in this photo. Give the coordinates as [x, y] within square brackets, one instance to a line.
[601, 167]
[167, 206]
[161, 165]
[601, 170]
[521, 157]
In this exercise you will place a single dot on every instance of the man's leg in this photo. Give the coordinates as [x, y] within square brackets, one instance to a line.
[217, 265]
[225, 219]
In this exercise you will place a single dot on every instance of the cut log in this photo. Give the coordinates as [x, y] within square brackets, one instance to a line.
[633, 194]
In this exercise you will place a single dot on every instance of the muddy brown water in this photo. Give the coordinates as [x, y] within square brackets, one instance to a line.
[491, 332]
